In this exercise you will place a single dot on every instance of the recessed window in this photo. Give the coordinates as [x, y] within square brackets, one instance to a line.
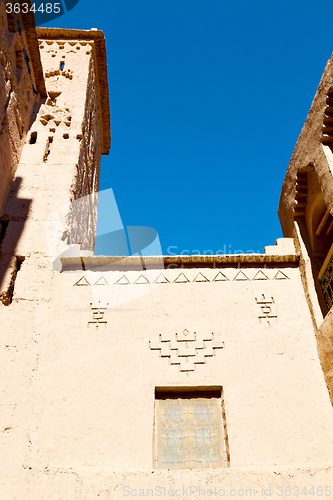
[52, 98]
[48, 148]
[190, 429]
[33, 138]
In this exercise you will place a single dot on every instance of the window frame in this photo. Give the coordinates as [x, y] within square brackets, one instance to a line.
[188, 393]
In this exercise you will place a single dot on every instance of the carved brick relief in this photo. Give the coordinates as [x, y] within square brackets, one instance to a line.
[280, 276]
[142, 279]
[220, 277]
[241, 277]
[68, 73]
[52, 115]
[266, 315]
[82, 282]
[185, 351]
[181, 279]
[59, 50]
[67, 46]
[200, 278]
[260, 276]
[101, 281]
[123, 281]
[97, 316]
[161, 279]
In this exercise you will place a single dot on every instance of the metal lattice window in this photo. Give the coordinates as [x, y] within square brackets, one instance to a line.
[190, 431]
[326, 278]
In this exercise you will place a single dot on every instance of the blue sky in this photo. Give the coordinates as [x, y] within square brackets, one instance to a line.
[208, 98]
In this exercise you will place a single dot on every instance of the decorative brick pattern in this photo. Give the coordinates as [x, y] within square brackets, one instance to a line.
[184, 350]
[267, 315]
[98, 316]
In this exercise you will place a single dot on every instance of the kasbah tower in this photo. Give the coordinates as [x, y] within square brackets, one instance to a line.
[177, 376]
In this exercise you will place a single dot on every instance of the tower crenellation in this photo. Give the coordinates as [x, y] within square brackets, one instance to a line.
[59, 166]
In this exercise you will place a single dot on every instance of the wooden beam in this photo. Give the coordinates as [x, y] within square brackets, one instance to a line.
[322, 223]
[330, 227]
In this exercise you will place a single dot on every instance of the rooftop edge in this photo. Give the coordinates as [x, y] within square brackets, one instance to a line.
[172, 262]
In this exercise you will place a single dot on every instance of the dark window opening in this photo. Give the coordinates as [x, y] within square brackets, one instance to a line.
[33, 138]
[48, 149]
[62, 65]
[52, 98]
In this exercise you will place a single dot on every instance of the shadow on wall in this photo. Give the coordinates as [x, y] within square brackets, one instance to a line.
[11, 229]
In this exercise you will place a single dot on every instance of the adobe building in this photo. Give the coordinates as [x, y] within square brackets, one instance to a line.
[183, 376]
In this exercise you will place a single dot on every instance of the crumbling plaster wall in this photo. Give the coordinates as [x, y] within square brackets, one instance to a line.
[309, 151]
[311, 154]
[17, 97]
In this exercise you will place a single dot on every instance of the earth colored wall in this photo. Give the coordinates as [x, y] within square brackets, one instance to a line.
[96, 377]
[18, 94]
[79, 378]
